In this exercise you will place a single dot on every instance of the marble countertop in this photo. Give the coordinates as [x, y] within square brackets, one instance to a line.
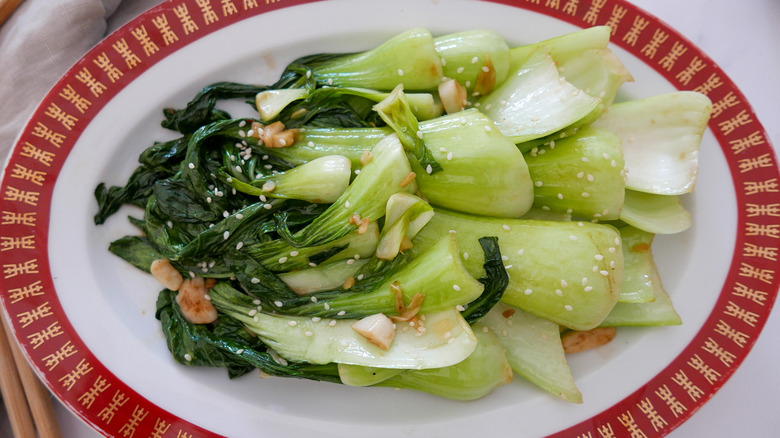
[742, 37]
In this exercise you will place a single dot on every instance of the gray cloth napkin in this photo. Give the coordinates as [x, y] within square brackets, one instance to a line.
[40, 41]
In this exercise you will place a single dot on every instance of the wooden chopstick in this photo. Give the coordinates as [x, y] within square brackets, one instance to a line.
[7, 7]
[13, 393]
[38, 397]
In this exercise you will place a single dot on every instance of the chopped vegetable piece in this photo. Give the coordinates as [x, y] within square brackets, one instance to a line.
[544, 258]
[484, 370]
[478, 57]
[580, 175]
[577, 342]
[405, 216]
[408, 58]
[564, 47]
[661, 137]
[327, 276]
[319, 342]
[271, 102]
[658, 214]
[536, 101]
[378, 329]
[534, 349]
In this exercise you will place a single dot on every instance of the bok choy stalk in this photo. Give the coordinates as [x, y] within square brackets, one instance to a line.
[597, 72]
[641, 281]
[437, 273]
[475, 377]
[405, 216]
[479, 59]
[409, 58]
[365, 197]
[534, 349]
[581, 175]
[661, 137]
[271, 103]
[658, 214]
[321, 180]
[278, 255]
[321, 341]
[226, 343]
[327, 276]
[570, 273]
[536, 101]
[395, 111]
[563, 48]
[318, 142]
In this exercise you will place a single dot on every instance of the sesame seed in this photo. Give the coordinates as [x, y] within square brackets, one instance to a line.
[508, 266]
[347, 204]
[504, 258]
[239, 216]
[488, 128]
[240, 351]
[580, 174]
[613, 163]
[485, 68]
[256, 302]
[591, 178]
[263, 198]
[564, 283]
[330, 81]
[326, 306]
[459, 70]
[506, 227]
[242, 123]
[282, 260]
[538, 183]
[252, 312]
[314, 300]
[585, 195]
[400, 72]
[585, 159]
[611, 249]
[456, 287]
[191, 165]
[316, 319]
[267, 206]
[312, 264]
[308, 74]
[528, 291]
[225, 235]
[588, 288]
[278, 303]
[308, 333]
[225, 213]
[568, 307]
[359, 277]
[559, 292]
[612, 264]
[342, 313]
[595, 268]
[192, 274]
[241, 133]
[449, 156]
[187, 357]
[598, 257]
[332, 323]
[208, 199]
[268, 166]
[560, 195]
[350, 261]
[475, 60]
[310, 144]
[617, 241]
[604, 273]
[239, 245]
[460, 308]
[207, 297]
[428, 169]
[292, 323]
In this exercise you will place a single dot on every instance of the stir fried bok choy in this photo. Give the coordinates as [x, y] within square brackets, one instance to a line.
[436, 213]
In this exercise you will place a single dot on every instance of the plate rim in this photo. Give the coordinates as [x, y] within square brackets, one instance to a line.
[78, 379]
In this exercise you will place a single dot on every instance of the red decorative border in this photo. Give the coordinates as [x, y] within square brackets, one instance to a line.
[74, 374]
